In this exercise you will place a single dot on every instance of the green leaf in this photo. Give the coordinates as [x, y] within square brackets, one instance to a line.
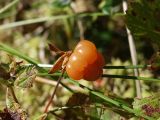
[143, 20]
[25, 77]
[149, 105]
[106, 6]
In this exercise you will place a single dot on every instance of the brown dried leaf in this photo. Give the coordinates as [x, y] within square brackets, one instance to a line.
[58, 64]
[53, 48]
[78, 99]
[79, 113]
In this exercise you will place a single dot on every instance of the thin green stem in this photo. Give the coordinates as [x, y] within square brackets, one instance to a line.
[54, 92]
[127, 67]
[56, 74]
[44, 19]
[74, 107]
[8, 6]
[64, 108]
[111, 101]
[47, 74]
[132, 77]
[145, 79]
[105, 67]
[13, 94]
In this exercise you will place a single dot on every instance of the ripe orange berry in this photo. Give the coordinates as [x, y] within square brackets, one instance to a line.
[92, 72]
[95, 70]
[77, 62]
[85, 62]
[74, 74]
[87, 43]
[100, 59]
[88, 50]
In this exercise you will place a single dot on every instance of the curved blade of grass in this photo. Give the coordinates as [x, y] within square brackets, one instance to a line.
[17, 53]
[111, 101]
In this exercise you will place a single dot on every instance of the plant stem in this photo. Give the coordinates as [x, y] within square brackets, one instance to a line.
[133, 55]
[45, 81]
[13, 95]
[53, 83]
[81, 29]
[54, 92]
[105, 67]
[8, 6]
[113, 76]
[132, 77]
[74, 107]
[127, 67]
[47, 74]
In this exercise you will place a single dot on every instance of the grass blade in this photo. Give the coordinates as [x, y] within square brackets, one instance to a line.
[17, 53]
[8, 6]
[111, 101]
[44, 19]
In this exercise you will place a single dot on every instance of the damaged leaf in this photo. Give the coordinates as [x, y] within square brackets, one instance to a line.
[149, 105]
[53, 48]
[25, 77]
[13, 109]
[58, 64]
